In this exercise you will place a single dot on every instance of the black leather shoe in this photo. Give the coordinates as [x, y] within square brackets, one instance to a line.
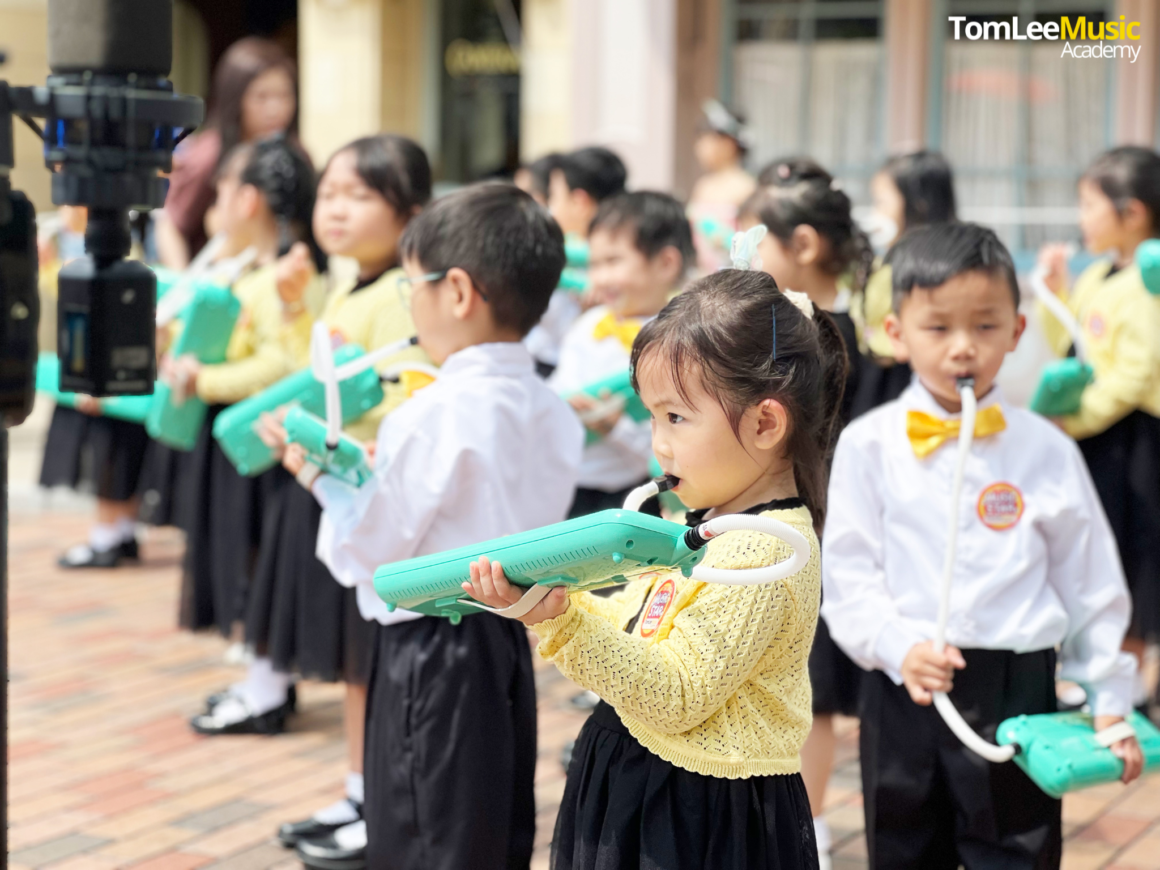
[217, 697]
[293, 833]
[84, 556]
[130, 549]
[270, 722]
[326, 854]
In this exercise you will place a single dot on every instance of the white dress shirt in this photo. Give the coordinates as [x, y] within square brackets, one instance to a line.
[621, 458]
[1036, 567]
[486, 450]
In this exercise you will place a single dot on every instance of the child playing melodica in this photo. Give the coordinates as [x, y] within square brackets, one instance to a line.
[577, 183]
[265, 195]
[1037, 572]
[299, 620]
[486, 450]
[692, 760]
[812, 243]
[640, 249]
[1117, 425]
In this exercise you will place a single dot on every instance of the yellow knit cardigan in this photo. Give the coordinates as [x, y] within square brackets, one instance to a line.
[712, 678]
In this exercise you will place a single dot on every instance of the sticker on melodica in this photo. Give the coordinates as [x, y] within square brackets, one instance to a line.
[658, 608]
[1000, 506]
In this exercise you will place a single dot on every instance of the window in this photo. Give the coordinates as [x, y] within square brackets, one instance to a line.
[809, 76]
[1017, 121]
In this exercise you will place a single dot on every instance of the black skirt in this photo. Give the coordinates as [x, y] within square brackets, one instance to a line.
[93, 453]
[1124, 462]
[625, 808]
[835, 680]
[298, 615]
[451, 746]
[224, 531]
[164, 486]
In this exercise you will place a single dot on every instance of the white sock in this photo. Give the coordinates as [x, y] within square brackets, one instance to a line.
[264, 688]
[353, 836]
[104, 536]
[127, 529]
[354, 787]
[822, 835]
[341, 812]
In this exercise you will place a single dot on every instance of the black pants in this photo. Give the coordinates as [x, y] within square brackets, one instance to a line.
[451, 746]
[930, 802]
[590, 501]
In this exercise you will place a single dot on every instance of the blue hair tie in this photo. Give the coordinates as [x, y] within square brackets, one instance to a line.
[773, 311]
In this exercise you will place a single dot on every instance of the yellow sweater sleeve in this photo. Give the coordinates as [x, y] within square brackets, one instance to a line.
[611, 608]
[258, 353]
[714, 643]
[1124, 386]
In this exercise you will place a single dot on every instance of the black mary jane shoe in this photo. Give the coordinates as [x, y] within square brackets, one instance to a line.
[84, 556]
[271, 722]
[293, 833]
[326, 854]
[216, 698]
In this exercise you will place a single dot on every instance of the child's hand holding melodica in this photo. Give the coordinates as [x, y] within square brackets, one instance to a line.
[925, 671]
[490, 586]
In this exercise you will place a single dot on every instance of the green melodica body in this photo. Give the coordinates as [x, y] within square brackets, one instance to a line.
[347, 461]
[133, 409]
[716, 231]
[575, 275]
[234, 427]
[1059, 752]
[208, 321]
[616, 388]
[1061, 387]
[1148, 259]
[590, 552]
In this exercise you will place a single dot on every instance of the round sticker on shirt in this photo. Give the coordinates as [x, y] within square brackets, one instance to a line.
[1000, 506]
[662, 598]
[1095, 325]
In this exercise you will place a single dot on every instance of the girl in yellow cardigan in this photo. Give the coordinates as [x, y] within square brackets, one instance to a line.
[692, 758]
[1118, 421]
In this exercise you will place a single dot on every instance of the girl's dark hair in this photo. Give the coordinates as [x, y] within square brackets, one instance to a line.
[243, 62]
[395, 167]
[791, 170]
[927, 185]
[811, 199]
[722, 328]
[286, 180]
[1126, 173]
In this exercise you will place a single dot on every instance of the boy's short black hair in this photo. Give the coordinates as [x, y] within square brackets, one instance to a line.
[500, 236]
[929, 256]
[656, 221]
[597, 171]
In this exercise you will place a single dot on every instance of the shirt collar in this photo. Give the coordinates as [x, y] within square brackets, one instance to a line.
[504, 358]
[917, 397]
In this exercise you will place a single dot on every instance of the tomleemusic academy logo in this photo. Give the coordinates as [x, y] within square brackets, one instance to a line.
[1094, 39]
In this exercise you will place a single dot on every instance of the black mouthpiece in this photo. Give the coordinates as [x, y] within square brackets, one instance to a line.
[964, 382]
[666, 482]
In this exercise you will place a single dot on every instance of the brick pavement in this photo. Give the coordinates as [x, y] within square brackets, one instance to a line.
[104, 772]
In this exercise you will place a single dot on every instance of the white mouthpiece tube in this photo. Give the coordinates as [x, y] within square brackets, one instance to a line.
[942, 703]
[366, 361]
[753, 576]
[640, 495]
[1058, 309]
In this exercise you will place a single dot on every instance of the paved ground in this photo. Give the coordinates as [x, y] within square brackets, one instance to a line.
[105, 773]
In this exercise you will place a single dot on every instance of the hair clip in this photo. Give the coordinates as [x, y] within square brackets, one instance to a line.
[743, 250]
[783, 171]
[773, 343]
[801, 302]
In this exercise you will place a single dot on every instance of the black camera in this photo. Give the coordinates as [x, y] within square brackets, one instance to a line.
[111, 122]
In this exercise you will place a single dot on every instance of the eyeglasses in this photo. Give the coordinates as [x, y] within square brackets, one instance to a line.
[406, 286]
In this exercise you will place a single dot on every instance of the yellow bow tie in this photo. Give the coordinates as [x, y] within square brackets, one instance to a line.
[412, 380]
[927, 432]
[624, 331]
